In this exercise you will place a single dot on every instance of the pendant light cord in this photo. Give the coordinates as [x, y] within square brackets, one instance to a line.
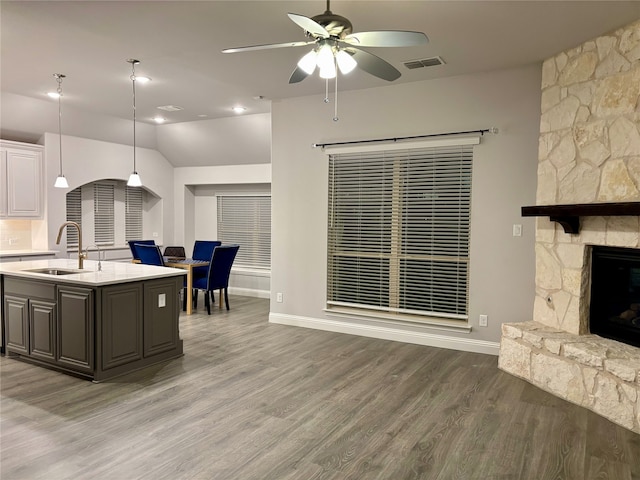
[335, 102]
[133, 81]
[59, 78]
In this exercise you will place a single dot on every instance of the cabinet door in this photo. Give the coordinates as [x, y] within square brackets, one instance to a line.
[16, 324]
[42, 330]
[75, 328]
[24, 183]
[121, 325]
[161, 311]
[3, 183]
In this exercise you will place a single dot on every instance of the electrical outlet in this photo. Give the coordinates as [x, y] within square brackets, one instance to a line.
[484, 321]
[155, 235]
[517, 230]
[162, 300]
[279, 297]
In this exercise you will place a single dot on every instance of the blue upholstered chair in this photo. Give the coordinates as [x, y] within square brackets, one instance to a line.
[202, 250]
[132, 244]
[149, 254]
[218, 274]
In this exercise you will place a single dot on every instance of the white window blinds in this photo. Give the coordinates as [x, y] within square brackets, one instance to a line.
[103, 201]
[133, 213]
[74, 214]
[246, 220]
[399, 231]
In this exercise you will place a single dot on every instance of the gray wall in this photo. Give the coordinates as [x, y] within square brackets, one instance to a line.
[504, 179]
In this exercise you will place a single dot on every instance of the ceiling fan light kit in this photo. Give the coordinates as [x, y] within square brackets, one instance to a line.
[336, 44]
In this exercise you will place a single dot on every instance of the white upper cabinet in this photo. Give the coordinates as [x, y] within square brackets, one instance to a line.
[21, 174]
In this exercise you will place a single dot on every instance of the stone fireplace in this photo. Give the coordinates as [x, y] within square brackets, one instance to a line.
[589, 152]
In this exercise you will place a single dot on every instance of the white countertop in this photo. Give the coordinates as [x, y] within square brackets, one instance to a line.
[112, 272]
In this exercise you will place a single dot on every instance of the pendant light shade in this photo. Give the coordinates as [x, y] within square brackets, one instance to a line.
[134, 178]
[61, 181]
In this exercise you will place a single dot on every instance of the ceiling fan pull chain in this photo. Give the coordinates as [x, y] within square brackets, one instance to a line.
[335, 115]
[326, 91]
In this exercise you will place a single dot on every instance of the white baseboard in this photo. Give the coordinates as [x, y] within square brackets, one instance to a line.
[249, 292]
[388, 333]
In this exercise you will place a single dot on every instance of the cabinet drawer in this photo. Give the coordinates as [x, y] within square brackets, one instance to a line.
[29, 288]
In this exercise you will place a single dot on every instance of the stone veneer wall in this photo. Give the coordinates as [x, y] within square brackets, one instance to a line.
[589, 152]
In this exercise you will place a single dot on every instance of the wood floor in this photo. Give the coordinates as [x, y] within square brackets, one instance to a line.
[254, 401]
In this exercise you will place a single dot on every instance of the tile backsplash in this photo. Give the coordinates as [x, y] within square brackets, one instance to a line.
[15, 235]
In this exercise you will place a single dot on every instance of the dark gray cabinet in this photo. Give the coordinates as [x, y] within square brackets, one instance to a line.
[50, 323]
[161, 305]
[96, 332]
[30, 318]
[75, 328]
[42, 330]
[122, 334]
[16, 323]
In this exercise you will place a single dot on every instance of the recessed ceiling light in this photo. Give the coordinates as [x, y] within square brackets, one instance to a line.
[239, 109]
[54, 94]
[159, 119]
[142, 79]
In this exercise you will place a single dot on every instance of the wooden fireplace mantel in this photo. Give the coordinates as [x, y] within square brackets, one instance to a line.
[569, 215]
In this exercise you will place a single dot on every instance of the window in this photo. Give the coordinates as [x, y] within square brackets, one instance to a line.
[133, 213]
[74, 214]
[398, 233]
[246, 220]
[103, 197]
[109, 211]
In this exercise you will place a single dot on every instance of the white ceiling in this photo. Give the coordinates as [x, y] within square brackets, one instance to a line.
[179, 45]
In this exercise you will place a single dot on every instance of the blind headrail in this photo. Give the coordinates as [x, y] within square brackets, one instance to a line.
[493, 130]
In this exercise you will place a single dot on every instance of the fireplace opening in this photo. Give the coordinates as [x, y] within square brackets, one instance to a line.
[615, 294]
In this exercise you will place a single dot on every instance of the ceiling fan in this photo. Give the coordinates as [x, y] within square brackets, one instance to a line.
[335, 43]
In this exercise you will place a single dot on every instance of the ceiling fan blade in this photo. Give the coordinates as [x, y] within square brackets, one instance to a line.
[374, 65]
[309, 25]
[265, 47]
[298, 75]
[387, 38]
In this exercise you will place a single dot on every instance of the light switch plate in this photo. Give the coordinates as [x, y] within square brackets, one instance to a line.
[162, 300]
[517, 230]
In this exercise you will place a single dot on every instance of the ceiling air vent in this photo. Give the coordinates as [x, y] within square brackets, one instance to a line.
[170, 108]
[426, 62]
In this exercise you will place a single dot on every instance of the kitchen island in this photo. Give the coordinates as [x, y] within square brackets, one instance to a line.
[93, 323]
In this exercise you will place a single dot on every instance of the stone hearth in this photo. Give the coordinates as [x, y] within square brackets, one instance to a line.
[589, 152]
[599, 374]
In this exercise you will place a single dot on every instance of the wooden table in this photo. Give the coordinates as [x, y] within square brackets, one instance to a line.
[187, 264]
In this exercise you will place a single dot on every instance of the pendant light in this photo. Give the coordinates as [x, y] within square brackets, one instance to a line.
[134, 178]
[61, 181]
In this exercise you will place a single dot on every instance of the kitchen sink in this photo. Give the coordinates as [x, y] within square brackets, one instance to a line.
[53, 271]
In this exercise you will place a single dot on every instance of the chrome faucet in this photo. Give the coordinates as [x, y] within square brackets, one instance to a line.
[81, 255]
[86, 254]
